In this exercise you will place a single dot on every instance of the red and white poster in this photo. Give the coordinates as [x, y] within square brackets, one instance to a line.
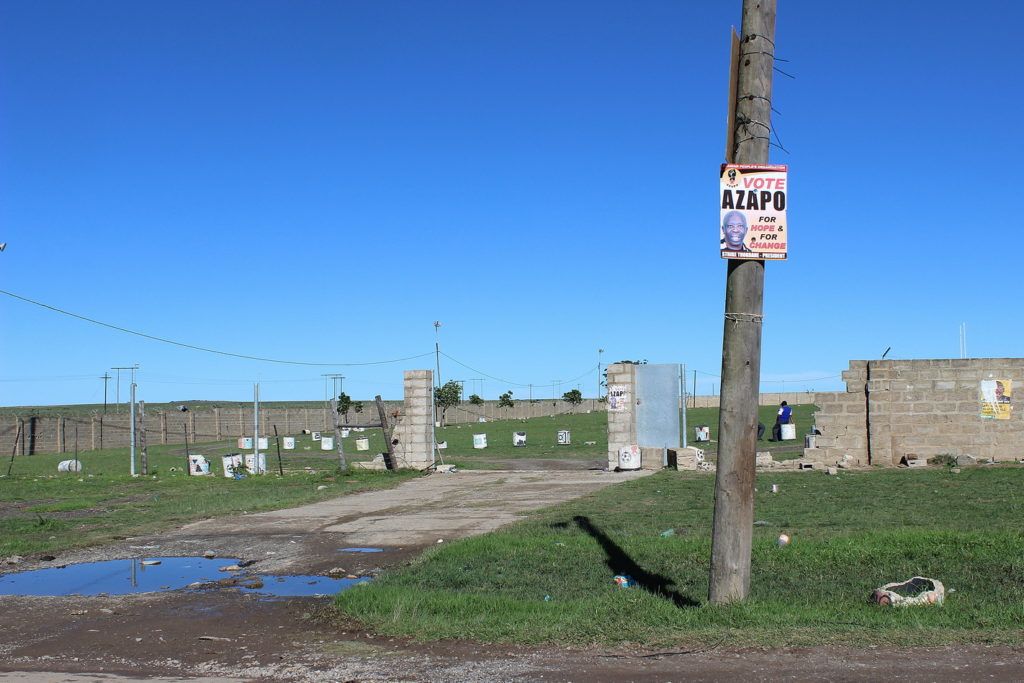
[753, 212]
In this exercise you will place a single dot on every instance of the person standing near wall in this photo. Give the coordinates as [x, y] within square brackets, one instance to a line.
[783, 417]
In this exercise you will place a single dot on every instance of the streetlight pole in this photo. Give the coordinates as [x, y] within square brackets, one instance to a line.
[599, 352]
[437, 349]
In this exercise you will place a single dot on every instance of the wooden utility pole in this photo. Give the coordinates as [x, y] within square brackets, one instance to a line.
[142, 437]
[389, 455]
[342, 465]
[741, 345]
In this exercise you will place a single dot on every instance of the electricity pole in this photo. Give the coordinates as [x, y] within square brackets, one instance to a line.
[741, 345]
[106, 380]
[437, 349]
[334, 379]
[133, 368]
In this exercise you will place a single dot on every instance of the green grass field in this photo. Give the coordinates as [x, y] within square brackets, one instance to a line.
[549, 578]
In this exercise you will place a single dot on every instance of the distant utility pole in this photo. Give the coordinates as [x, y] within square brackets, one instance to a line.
[133, 368]
[106, 380]
[437, 349]
[337, 380]
[741, 346]
[599, 352]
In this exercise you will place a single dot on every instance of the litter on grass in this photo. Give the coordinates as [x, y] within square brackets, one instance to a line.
[625, 581]
[919, 590]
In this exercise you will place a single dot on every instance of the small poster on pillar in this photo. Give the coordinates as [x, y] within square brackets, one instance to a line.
[996, 398]
[618, 398]
[753, 212]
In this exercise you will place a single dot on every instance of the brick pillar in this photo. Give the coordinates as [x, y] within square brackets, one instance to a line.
[415, 427]
[621, 409]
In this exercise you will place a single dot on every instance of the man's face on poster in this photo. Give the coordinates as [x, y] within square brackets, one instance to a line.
[735, 229]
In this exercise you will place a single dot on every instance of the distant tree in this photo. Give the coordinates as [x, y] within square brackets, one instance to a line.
[447, 396]
[505, 400]
[573, 398]
[476, 400]
[347, 405]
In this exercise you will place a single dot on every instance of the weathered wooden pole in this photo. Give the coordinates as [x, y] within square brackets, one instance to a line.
[342, 464]
[389, 455]
[741, 344]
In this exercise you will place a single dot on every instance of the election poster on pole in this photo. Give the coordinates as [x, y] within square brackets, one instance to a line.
[753, 212]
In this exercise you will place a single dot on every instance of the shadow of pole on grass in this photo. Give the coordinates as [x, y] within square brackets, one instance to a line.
[621, 563]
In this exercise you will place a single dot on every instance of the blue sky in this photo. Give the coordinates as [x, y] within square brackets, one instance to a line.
[319, 182]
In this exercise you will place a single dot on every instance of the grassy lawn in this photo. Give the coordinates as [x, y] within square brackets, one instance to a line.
[541, 436]
[42, 510]
[541, 439]
[549, 578]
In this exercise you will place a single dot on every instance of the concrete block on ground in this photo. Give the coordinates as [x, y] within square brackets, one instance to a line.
[652, 458]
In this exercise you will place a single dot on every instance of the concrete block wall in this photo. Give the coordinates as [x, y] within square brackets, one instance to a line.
[414, 431]
[621, 423]
[893, 408]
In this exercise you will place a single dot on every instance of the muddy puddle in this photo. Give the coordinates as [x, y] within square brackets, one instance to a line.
[156, 574]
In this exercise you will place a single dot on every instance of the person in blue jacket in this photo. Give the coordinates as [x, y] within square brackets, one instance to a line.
[784, 417]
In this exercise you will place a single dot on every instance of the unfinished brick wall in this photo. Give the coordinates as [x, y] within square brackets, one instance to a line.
[895, 408]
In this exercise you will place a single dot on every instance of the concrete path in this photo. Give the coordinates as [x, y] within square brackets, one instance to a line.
[420, 511]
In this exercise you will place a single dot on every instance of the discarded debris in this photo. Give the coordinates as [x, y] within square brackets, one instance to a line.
[762, 522]
[668, 532]
[226, 640]
[782, 540]
[775, 488]
[919, 590]
[150, 563]
[624, 580]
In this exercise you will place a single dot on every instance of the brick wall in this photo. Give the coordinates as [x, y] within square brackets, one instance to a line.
[893, 408]
[113, 430]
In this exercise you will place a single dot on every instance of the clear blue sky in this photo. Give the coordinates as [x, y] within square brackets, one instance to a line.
[320, 181]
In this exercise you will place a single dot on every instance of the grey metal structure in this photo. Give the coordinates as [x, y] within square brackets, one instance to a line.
[657, 410]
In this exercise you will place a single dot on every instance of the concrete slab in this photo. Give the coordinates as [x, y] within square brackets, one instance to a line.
[422, 510]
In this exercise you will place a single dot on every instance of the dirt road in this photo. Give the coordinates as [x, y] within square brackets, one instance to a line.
[235, 635]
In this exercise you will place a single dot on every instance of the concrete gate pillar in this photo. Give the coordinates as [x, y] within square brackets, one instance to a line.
[414, 429]
[621, 409]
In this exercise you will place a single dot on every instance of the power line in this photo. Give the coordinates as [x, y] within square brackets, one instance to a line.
[515, 384]
[200, 348]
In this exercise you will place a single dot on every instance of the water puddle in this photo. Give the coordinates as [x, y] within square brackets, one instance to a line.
[150, 575]
[360, 550]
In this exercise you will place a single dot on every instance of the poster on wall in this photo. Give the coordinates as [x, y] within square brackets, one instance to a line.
[618, 398]
[996, 398]
[753, 212]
